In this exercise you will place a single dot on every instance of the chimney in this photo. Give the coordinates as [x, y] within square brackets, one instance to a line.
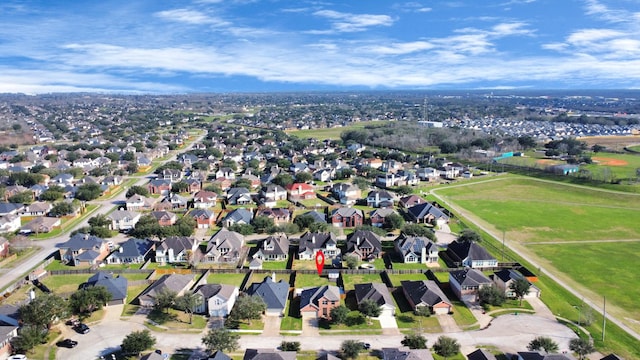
[313, 239]
[358, 240]
[120, 249]
[273, 276]
[32, 295]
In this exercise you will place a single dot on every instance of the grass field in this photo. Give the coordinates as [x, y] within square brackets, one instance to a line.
[351, 279]
[229, 279]
[330, 133]
[531, 210]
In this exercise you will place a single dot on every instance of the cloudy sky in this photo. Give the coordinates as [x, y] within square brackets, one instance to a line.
[158, 46]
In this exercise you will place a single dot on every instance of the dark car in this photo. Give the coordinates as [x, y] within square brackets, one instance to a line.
[82, 328]
[365, 346]
[68, 343]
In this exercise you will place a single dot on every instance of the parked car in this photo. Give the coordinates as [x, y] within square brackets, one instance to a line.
[82, 328]
[17, 357]
[68, 343]
[365, 345]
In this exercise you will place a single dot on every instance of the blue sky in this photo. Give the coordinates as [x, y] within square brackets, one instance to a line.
[157, 46]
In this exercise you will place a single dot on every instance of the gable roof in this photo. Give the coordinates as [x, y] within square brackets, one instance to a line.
[210, 290]
[377, 292]
[82, 241]
[363, 239]
[177, 243]
[508, 274]
[275, 244]
[414, 244]
[312, 296]
[317, 217]
[116, 286]
[481, 354]
[240, 214]
[533, 355]
[469, 277]
[468, 250]
[268, 354]
[312, 241]
[347, 212]
[133, 247]
[219, 355]
[273, 293]
[170, 282]
[425, 292]
[406, 354]
[421, 210]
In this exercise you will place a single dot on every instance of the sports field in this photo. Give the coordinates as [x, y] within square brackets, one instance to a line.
[331, 133]
[590, 235]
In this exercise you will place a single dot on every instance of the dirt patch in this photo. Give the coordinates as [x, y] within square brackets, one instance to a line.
[610, 162]
[547, 162]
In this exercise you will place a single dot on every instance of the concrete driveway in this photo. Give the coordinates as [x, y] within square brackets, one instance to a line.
[271, 325]
[389, 325]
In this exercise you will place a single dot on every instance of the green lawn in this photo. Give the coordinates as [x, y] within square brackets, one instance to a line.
[229, 279]
[397, 278]
[65, 283]
[531, 210]
[274, 265]
[330, 133]
[351, 279]
[305, 280]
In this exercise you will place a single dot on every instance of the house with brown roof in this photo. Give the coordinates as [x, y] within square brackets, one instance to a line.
[165, 218]
[223, 247]
[204, 218]
[426, 293]
[40, 225]
[176, 283]
[273, 248]
[205, 199]
[364, 245]
[347, 217]
[279, 215]
[83, 249]
[318, 301]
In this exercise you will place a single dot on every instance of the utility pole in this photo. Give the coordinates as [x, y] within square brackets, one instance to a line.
[604, 316]
[502, 245]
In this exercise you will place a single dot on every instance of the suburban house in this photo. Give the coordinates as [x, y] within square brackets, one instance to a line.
[347, 194]
[205, 199]
[204, 218]
[165, 218]
[378, 216]
[138, 202]
[505, 277]
[273, 293]
[237, 216]
[414, 249]
[9, 316]
[7, 208]
[217, 299]
[404, 353]
[379, 293]
[273, 248]
[225, 172]
[270, 194]
[173, 175]
[224, 247]
[428, 174]
[466, 283]
[83, 249]
[123, 220]
[238, 196]
[364, 245]
[427, 213]
[268, 354]
[300, 191]
[468, 253]
[159, 186]
[318, 301]
[132, 251]
[427, 293]
[380, 199]
[310, 243]
[176, 283]
[176, 249]
[39, 225]
[410, 201]
[172, 201]
[11, 223]
[38, 208]
[347, 217]
[279, 215]
[219, 355]
[116, 286]
[481, 354]
[4, 247]
[317, 216]
[534, 355]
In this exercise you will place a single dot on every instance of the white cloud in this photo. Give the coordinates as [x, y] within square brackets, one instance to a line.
[191, 17]
[399, 48]
[346, 22]
[411, 6]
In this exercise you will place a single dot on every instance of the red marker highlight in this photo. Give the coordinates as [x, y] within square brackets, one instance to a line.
[319, 262]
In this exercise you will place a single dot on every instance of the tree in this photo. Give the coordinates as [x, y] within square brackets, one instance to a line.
[188, 303]
[165, 299]
[350, 349]
[248, 308]
[44, 310]
[221, 339]
[446, 346]
[339, 314]
[283, 180]
[542, 343]
[319, 227]
[52, 194]
[304, 221]
[521, 288]
[25, 197]
[136, 189]
[137, 342]
[490, 295]
[262, 223]
[468, 235]
[290, 346]
[414, 341]
[419, 230]
[422, 311]
[128, 156]
[88, 192]
[597, 148]
[370, 308]
[352, 261]
[29, 336]
[393, 221]
[100, 220]
[582, 347]
[61, 209]
[404, 190]
[243, 229]
[303, 177]
[89, 299]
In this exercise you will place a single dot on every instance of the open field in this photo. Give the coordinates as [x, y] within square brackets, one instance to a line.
[612, 142]
[589, 237]
[532, 211]
[330, 133]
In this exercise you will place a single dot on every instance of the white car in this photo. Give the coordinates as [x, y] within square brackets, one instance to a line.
[18, 357]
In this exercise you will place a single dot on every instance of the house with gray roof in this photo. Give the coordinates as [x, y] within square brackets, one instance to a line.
[83, 248]
[273, 248]
[364, 244]
[404, 353]
[39, 225]
[268, 354]
[239, 196]
[310, 243]
[176, 249]
[318, 301]
[317, 216]
[347, 217]
[380, 198]
[481, 354]
[503, 279]
[426, 293]
[7, 208]
[219, 355]
[177, 283]
[217, 299]
[132, 251]
[378, 293]
[237, 216]
[471, 254]
[466, 283]
[416, 249]
[116, 286]
[534, 355]
[223, 247]
[123, 220]
[427, 213]
[273, 293]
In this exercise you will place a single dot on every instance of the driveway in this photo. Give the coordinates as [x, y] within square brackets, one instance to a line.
[271, 325]
[447, 323]
[310, 325]
[389, 325]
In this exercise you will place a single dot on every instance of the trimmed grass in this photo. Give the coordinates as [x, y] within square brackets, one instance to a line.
[351, 279]
[177, 320]
[330, 133]
[65, 283]
[274, 265]
[397, 278]
[304, 280]
[229, 279]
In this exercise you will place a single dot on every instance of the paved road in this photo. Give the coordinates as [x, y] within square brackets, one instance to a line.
[542, 270]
